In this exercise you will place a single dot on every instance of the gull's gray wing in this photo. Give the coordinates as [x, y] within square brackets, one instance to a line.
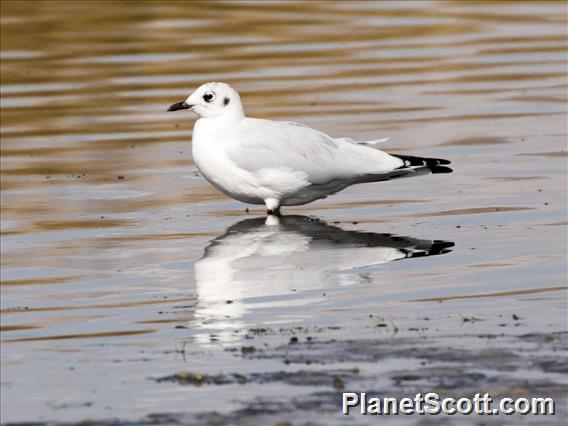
[261, 145]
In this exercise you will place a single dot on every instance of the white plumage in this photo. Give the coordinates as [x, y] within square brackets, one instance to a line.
[279, 163]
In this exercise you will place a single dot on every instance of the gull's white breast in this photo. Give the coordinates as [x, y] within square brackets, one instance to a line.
[213, 140]
[210, 156]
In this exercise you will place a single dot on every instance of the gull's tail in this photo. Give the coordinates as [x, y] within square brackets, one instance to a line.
[413, 166]
[435, 165]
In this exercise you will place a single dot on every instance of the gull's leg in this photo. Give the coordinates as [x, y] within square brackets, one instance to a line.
[272, 206]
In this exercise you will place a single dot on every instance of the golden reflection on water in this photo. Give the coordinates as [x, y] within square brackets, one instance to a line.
[103, 210]
[86, 144]
[80, 336]
[495, 294]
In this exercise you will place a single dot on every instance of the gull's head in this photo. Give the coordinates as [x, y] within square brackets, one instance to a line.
[212, 100]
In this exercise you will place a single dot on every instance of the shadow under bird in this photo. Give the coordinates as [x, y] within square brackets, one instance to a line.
[281, 163]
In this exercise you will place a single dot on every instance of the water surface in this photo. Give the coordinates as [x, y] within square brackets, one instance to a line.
[116, 254]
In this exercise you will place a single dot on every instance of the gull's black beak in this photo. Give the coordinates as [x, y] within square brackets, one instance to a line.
[179, 105]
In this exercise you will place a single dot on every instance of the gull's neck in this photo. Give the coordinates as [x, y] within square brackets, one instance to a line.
[219, 124]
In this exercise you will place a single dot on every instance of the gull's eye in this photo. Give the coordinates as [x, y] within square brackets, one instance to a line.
[208, 97]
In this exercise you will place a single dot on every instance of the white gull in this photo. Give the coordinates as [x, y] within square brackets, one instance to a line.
[280, 163]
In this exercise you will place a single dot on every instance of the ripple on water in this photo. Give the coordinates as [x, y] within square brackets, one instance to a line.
[131, 276]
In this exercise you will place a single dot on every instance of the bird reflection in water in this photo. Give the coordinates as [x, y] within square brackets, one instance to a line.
[265, 263]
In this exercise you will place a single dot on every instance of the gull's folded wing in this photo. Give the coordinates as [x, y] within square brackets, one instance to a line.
[264, 144]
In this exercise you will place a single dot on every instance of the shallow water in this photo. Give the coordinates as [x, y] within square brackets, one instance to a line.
[116, 254]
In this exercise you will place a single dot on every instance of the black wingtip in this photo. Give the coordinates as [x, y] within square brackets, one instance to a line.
[442, 161]
[437, 247]
[441, 247]
[440, 169]
[436, 165]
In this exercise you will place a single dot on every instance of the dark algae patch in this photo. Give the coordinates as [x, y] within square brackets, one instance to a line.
[450, 366]
[334, 378]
